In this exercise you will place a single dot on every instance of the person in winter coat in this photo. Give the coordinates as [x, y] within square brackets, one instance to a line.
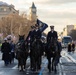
[6, 50]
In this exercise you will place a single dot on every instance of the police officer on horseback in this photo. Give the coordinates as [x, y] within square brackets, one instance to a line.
[52, 35]
[51, 47]
[37, 44]
[29, 40]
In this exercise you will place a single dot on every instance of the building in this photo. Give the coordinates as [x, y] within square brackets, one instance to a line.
[67, 29]
[33, 13]
[6, 9]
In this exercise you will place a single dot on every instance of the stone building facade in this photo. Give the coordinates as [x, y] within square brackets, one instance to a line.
[6, 9]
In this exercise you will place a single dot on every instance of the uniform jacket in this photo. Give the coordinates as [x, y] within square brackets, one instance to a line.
[37, 34]
[30, 35]
[52, 35]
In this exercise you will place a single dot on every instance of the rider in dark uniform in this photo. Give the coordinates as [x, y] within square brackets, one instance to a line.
[52, 35]
[37, 37]
[29, 40]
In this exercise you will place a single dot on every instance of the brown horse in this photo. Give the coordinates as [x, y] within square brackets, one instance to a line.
[21, 53]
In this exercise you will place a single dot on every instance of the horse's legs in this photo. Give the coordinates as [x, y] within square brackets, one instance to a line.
[25, 61]
[33, 64]
[49, 64]
[31, 61]
[18, 63]
[54, 64]
[39, 63]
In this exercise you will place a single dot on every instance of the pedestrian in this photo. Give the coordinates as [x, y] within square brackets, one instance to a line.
[69, 47]
[5, 49]
[12, 51]
[73, 47]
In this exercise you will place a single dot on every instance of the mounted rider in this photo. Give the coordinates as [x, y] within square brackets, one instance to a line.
[52, 38]
[52, 35]
[37, 48]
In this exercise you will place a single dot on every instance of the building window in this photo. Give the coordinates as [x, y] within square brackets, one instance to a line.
[4, 9]
[1, 9]
[13, 12]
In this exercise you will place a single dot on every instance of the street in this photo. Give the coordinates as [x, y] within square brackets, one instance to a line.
[67, 66]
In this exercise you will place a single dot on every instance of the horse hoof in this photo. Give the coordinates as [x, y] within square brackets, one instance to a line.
[52, 69]
[49, 71]
[21, 70]
[55, 71]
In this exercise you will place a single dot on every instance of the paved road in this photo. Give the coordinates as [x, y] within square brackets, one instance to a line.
[67, 66]
[68, 63]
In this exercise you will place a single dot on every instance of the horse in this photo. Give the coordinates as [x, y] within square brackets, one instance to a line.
[21, 52]
[52, 54]
[36, 53]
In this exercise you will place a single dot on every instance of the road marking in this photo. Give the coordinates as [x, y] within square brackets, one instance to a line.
[28, 61]
[45, 62]
[60, 72]
[1, 72]
[63, 73]
[67, 59]
[71, 58]
[15, 67]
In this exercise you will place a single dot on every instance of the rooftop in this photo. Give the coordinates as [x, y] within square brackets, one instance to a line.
[3, 3]
[33, 5]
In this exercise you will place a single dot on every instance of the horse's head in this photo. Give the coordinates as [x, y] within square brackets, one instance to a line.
[21, 37]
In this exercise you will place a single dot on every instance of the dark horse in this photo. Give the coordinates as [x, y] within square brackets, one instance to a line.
[21, 52]
[52, 55]
[36, 53]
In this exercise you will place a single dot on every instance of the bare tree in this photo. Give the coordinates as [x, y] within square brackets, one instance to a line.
[15, 24]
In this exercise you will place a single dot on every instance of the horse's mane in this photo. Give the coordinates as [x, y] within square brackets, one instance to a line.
[20, 45]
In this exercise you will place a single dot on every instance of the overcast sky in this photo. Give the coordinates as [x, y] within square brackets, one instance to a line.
[53, 12]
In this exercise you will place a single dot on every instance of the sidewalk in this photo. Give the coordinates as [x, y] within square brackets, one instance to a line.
[73, 55]
[0, 55]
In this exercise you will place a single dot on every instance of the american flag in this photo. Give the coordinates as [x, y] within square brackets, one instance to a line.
[42, 25]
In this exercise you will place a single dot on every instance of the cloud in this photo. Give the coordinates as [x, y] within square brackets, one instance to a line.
[56, 12]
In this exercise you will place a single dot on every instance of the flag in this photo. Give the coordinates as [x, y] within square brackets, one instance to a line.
[42, 25]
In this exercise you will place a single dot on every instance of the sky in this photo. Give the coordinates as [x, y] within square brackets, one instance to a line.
[53, 12]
